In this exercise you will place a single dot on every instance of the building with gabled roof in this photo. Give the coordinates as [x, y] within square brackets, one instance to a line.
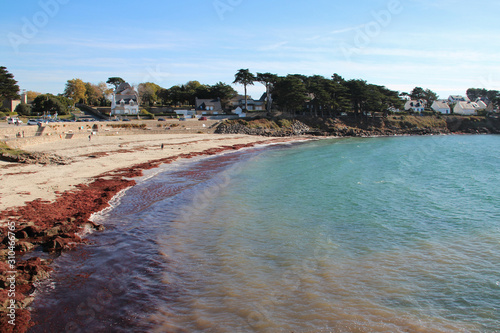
[466, 108]
[415, 105]
[441, 106]
[253, 104]
[213, 106]
[125, 100]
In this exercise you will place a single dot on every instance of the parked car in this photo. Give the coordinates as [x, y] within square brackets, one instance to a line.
[33, 122]
[203, 118]
[161, 119]
[14, 120]
[182, 119]
[125, 119]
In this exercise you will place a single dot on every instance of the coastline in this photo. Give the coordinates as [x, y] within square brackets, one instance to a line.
[59, 200]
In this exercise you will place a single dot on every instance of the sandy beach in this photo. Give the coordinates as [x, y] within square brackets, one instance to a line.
[49, 204]
[89, 158]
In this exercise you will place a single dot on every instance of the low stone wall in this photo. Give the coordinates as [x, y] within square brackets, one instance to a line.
[24, 136]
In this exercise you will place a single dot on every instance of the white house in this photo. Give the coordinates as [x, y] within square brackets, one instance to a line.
[415, 106]
[466, 108]
[239, 112]
[125, 100]
[481, 105]
[441, 106]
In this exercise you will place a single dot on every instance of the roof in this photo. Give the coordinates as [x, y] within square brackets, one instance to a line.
[203, 103]
[441, 104]
[122, 87]
[468, 105]
[125, 97]
[414, 104]
[457, 98]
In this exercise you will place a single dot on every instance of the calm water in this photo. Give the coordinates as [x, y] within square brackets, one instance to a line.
[346, 235]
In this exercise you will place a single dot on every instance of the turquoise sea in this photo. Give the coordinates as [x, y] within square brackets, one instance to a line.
[343, 235]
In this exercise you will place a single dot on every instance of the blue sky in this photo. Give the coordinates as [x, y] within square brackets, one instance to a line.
[444, 45]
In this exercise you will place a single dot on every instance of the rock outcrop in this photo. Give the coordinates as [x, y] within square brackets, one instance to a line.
[35, 158]
[294, 128]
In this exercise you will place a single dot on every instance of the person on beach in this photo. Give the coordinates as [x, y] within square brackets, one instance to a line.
[90, 137]
[162, 146]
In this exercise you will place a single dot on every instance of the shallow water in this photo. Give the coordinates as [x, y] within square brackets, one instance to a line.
[345, 235]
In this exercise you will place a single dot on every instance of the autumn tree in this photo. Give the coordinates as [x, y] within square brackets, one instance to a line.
[32, 95]
[93, 94]
[75, 90]
[8, 85]
[148, 92]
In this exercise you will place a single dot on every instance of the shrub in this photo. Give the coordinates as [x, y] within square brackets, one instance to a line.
[23, 109]
[284, 123]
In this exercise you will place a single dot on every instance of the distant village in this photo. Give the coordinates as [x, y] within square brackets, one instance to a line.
[455, 104]
[295, 94]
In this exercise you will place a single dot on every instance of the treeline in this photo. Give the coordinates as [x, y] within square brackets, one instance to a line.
[320, 96]
[185, 94]
[294, 93]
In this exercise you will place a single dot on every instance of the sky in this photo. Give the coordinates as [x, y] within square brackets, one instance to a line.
[447, 46]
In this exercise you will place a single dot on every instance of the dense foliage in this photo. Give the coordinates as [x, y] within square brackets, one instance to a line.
[23, 109]
[49, 104]
[492, 96]
[319, 96]
[8, 86]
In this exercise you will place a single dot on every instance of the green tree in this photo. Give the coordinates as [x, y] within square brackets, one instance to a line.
[115, 81]
[490, 95]
[424, 94]
[203, 91]
[358, 95]
[75, 90]
[267, 79]
[8, 86]
[223, 91]
[23, 109]
[340, 95]
[319, 89]
[49, 104]
[417, 93]
[290, 93]
[244, 77]
[430, 96]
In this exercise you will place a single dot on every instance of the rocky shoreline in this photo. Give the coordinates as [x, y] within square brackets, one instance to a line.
[362, 127]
